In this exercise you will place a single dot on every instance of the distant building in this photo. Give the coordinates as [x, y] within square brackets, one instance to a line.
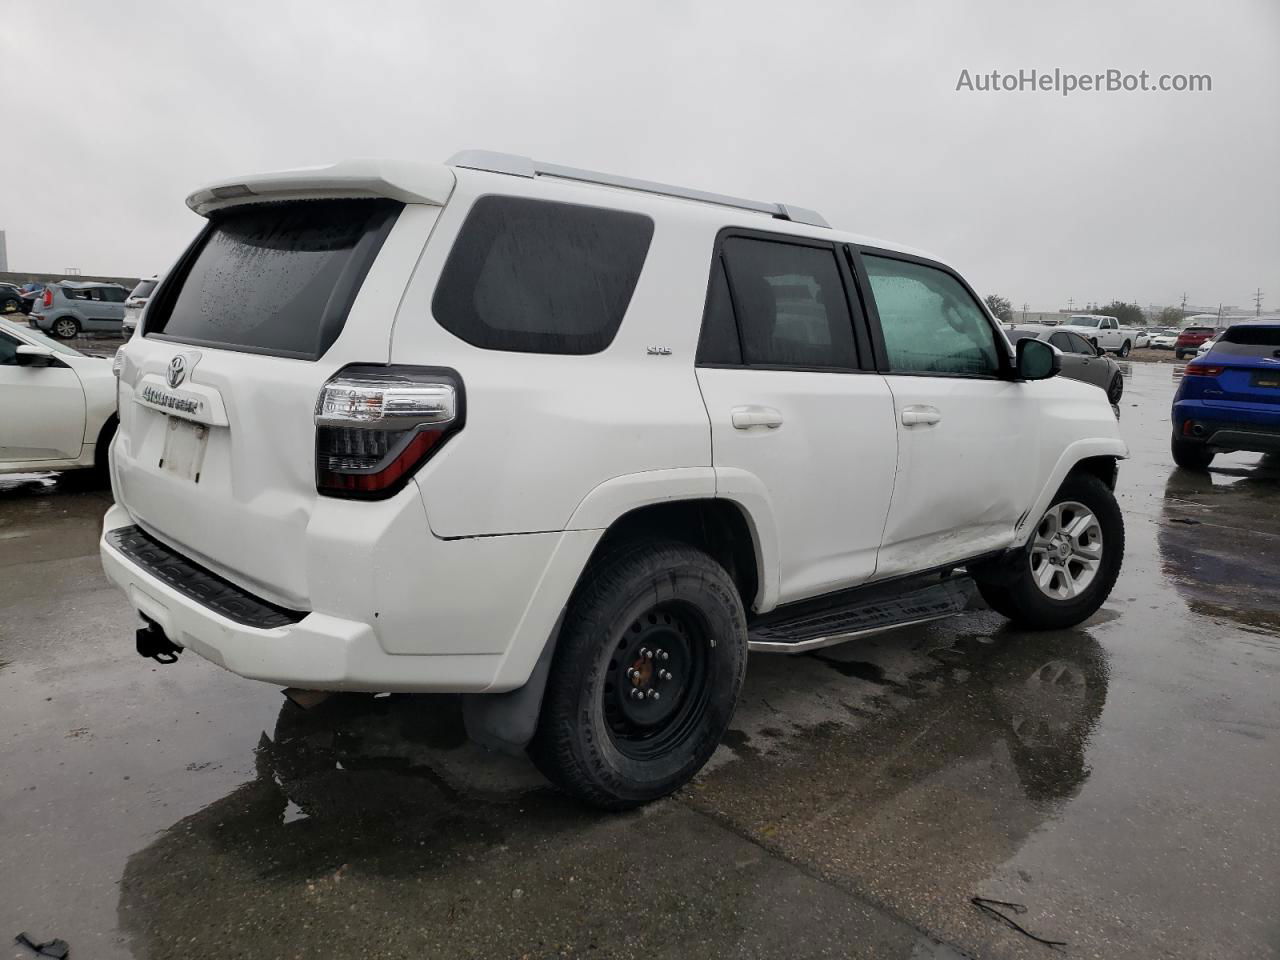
[4, 255]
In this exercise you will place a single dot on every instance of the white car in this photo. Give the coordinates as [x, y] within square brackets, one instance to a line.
[1164, 340]
[1141, 338]
[57, 406]
[1209, 344]
[571, 445]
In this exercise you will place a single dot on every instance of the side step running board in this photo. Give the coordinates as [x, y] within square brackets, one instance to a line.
[812, 630]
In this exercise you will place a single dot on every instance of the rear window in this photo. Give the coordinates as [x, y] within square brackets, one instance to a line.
[274, 278]
[537, 276]
[144, 288]
[1197, 330]
[1249, 342]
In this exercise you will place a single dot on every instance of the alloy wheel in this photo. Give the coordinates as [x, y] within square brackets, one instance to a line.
[1066, 552]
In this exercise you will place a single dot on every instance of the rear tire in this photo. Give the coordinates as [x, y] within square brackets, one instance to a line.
[605, 734]
[65, 328]
[1190, 455]
[11, 306]
[1116, 389]
[1045, 594]
[1125, 348]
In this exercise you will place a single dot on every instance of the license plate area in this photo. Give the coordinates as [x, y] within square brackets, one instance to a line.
[1266, 379]
[184, 446]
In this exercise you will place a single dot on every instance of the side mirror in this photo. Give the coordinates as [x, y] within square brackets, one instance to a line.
[31, 355]
[1037, 360]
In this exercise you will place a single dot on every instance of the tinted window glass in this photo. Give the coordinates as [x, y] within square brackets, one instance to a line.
[790, 304]
[274, 278]
[1080, 345]
[930, 322]
[719, 340]
[541, 277]
[113, 294]
[1249, 342]
[1062, 342]
[8, 350]
[144, 288]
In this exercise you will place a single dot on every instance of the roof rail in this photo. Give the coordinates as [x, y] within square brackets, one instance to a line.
[518, 166]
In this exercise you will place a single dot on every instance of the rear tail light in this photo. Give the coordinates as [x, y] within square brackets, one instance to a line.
[1201, 370]
[376, 425]
[48, 297]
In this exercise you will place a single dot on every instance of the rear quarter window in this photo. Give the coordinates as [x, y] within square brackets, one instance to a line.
[537, 276]
[274, 278]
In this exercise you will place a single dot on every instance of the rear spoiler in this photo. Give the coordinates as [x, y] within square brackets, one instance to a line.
[406, 181]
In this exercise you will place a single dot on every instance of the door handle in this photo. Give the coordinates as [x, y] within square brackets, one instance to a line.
[744, 418]
[911, 416]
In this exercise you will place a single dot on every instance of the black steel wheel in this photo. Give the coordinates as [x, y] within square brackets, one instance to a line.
[655, 691]
[646, 674]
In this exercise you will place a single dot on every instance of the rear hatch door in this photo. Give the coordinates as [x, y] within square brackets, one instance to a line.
[1250, 357]
[217, 448]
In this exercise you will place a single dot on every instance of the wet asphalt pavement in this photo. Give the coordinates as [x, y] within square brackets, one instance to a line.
[1121, 780]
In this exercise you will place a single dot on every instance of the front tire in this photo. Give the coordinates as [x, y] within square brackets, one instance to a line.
[1125, 348]
[1070, 564]
[645, 677]
[1116, 389]
[1190, 455]
[12, 306]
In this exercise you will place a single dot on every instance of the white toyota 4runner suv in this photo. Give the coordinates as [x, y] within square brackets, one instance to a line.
[571, 445]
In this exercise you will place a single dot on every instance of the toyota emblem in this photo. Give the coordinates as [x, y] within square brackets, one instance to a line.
[177, 370]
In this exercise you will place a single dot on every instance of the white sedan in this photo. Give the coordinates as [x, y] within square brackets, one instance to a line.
[1164, 341]
[57, 406]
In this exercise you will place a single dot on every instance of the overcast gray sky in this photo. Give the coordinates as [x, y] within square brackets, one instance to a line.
[115, 111]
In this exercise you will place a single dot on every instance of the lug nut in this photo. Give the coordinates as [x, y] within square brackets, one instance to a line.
[652, 694]
[664, 655]
[637, 694]
[656, 695]
[664, 674]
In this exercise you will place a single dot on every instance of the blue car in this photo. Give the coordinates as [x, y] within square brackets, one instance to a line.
[1229, 398]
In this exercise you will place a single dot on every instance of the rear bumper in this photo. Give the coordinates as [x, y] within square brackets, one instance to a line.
[1229, 425]
[325, 651]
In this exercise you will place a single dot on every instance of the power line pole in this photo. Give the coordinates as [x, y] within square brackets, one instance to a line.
[1257, 303]
[1071, 303]
[1024, 313]
[1184, 305]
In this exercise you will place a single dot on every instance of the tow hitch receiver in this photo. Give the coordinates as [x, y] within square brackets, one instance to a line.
[154, 644]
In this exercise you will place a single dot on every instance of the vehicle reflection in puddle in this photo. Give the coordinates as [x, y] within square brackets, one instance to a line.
[382, 804]
[1219, 541]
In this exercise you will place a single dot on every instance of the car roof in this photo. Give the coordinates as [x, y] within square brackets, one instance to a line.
[433, 183]
[81, 284]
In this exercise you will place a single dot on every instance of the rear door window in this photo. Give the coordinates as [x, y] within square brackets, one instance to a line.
[790, 304]
[538, 276]
[275, 278]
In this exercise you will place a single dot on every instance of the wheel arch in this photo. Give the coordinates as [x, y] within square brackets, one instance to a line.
[722, 527]
[1097, 456]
